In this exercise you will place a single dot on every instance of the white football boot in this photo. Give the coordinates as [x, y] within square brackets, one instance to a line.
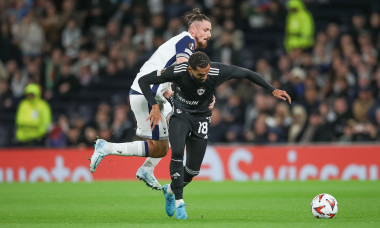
[148, 177]
[98, 155]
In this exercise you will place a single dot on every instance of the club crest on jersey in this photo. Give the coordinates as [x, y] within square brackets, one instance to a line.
[201, 91]
[191, 46]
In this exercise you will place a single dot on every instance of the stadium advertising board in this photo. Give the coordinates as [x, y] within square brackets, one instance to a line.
[240, 163]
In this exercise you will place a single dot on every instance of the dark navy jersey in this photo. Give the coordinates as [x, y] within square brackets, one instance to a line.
[190, 95]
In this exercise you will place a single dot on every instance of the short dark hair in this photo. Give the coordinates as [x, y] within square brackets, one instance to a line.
[196, 15]
[199, 59]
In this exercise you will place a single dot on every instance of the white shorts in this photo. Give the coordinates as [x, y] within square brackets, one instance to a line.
[141, 109]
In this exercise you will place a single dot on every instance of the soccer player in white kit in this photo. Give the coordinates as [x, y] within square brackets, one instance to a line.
[156, 144]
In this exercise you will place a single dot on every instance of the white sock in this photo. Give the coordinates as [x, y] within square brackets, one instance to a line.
[177, 202]
[150, 163]
[135, 148]
[169, 190]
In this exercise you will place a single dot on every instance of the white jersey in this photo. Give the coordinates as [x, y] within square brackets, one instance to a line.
[182, 45]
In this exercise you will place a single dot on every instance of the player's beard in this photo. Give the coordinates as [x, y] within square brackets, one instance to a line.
[197, 81]
[201, 44]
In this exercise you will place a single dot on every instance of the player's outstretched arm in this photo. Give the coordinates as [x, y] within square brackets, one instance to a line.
[281, 94]
[231, 71]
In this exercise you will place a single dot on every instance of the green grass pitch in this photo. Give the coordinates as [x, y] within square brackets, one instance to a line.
[210, 204]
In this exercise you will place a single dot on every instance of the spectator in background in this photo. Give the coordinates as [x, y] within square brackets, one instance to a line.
[30, 35]
[71, 38]
[20, 9]
[341, 117]
[175, 27]
[310, 99]
[359, 24]
[144, 35]
[9, 49]
[69, 12]
[298, 125]
[375, 26]
[299, 27]
[348, 133]
[298, 76]
[321, 56]
[317, 130]
[260, 130]
[237, 35]
[67, 83]
[233, 116]
[73, 137]
[158, 24]
[112, 33]
[364, 132]
[234, 111]
[18, 83]
[51, 23]
[362, 105]
[52, 71]
[33, 118]
[90, 134]
[217, 127]
[85, 77]
[282, 121]
[255, 11]
[32, 70]
[57, 136]
[225, 51]
[265, 70]
[122, 127]
[332, 32]
[275, 14]
[6, 96]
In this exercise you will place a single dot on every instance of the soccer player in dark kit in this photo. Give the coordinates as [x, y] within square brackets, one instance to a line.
[195, 83]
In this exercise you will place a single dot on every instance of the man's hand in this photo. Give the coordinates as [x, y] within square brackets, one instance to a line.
[154, 116]
[211, 106]
[169, 92]
[281, 94]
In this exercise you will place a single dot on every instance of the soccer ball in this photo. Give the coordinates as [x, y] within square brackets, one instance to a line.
[324, 206]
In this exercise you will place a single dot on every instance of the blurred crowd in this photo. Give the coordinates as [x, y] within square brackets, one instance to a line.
[84, 55]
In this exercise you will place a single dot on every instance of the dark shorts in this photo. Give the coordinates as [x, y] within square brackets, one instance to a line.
[198, 125]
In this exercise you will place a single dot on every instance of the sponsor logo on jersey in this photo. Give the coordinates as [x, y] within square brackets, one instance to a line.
[201, 91]
[183, 100]
[191, 46]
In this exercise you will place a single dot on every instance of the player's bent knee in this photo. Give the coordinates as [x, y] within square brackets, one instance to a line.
[158, 148]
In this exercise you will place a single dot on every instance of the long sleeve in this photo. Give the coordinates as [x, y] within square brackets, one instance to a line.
[155, 77]
[229, 72]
